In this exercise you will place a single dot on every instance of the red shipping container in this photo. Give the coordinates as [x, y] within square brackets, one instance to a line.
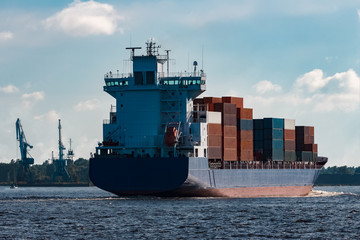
[311, 147]
[230, 154]
[289, 145]
[225, 108]
[289, 134]
[258, 155]
[244, 113]
[215, 152]
[229, 131]
[214, 129]
[214, 140]
[239, 102]
[245, 135]
[228, 119]
[230, 142]
[210, 107]
[212, 100]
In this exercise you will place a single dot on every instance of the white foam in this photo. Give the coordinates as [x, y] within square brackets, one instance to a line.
[319, 193]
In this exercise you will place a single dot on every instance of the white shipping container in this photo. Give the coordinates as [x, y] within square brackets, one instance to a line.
[199, 133]
[214, 117]
[289, 124]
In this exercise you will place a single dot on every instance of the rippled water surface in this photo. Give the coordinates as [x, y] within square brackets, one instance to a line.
[90, 213]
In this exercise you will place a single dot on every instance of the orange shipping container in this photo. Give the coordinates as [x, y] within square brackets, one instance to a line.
[209, 107]
[289, 134]
[214, 140]
[245, 135]
[246, 145]
[239, 102]
[311, 131]
[244, 113]
[230, 142]
[246, 155]
[212, 100]
[214, 129]
[229, 131]
[230, 154]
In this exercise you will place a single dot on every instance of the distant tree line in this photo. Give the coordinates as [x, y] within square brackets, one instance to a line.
[339, 176]
[43, 174]
[341, 170]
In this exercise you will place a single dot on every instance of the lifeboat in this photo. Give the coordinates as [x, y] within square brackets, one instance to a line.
[170, 136]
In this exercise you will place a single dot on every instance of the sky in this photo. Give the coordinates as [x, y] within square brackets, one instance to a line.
[290, 59]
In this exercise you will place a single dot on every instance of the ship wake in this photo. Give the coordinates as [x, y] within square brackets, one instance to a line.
[319, 193]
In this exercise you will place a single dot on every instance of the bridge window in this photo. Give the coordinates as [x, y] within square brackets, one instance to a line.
[150, 78]
[138, 78]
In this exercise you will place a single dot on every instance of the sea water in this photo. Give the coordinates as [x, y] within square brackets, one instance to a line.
[90, 213]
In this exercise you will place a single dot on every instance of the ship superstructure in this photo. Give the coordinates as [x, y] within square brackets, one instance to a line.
[150, 103]
[160, 139]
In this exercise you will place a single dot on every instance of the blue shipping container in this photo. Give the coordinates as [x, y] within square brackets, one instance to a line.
[275, 155]
[258, 145]
[258, 134]
[274, 133]
[273, 144]
[244, 124]
[258, 124]
[304, 156]
[274, 123]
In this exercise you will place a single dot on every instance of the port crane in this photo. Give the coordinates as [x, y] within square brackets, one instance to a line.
[26, 160]
[60, 164]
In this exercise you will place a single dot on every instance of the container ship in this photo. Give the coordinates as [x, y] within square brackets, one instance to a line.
[161, 139]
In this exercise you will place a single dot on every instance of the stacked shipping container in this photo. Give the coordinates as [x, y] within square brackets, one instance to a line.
[228, 120]
[274, 139]
[258, 133]
[245, 142]
[289, 140]
[233, 134]
[306, 149]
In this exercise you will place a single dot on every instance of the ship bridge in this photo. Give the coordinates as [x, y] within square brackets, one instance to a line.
[147, 100]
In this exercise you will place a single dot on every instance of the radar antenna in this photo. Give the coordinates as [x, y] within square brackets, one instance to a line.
[132, 53]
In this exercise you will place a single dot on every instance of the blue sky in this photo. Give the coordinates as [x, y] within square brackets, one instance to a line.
[290, 59]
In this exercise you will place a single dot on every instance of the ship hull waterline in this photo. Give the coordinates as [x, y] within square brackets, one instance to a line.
[189, 177]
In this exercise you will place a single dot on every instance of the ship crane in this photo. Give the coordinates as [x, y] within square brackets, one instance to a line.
[60, 164]
[25, 161]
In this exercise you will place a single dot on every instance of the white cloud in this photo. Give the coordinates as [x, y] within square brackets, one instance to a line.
[85, 18]
[346, 96]
[267, 86]
[6, 35]
[310, 92]
[313, 80]
[34, 96]
[9, 89]
[88, 105]
[51, 116]
[30, 98]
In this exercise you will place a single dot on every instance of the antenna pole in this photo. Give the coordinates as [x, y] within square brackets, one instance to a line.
[167, 62]
[202, 57]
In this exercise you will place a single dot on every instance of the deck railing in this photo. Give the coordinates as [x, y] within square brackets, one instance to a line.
[272, 165]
